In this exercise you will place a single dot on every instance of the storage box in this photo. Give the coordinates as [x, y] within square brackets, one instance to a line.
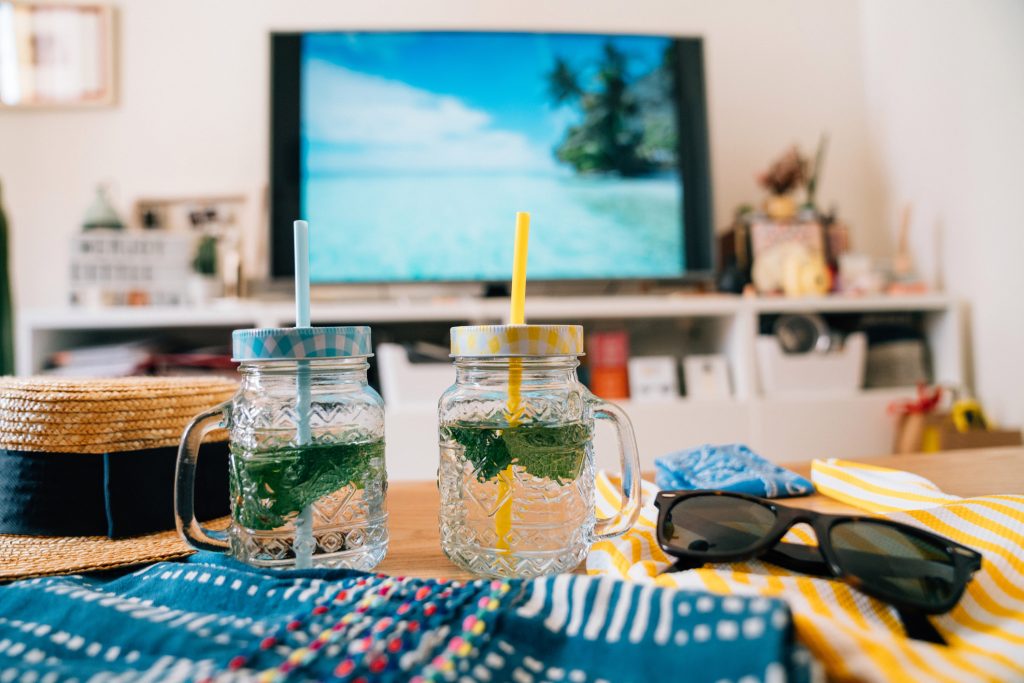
[832, 373]
[653, 379]
[707, 377]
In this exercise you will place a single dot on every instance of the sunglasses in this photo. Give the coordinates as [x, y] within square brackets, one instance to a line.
[916, 571]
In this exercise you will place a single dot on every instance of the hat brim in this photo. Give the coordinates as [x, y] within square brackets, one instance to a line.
[26, 557]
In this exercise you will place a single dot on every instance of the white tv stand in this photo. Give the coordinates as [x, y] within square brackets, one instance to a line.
[780, 428]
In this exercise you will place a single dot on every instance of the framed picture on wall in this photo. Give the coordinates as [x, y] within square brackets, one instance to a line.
[56, 54]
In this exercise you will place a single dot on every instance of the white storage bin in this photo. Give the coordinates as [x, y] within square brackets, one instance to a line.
[404, 383]
[832, 373]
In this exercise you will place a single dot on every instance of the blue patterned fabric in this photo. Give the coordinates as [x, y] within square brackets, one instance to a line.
[212, 618]
[733, 467]
[298, 343]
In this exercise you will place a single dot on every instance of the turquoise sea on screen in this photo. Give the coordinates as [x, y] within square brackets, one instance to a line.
[458, 226]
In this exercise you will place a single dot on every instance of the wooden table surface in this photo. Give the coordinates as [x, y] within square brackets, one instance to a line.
[415, 548]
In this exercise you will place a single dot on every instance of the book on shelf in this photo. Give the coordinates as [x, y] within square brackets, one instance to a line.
[135, 358]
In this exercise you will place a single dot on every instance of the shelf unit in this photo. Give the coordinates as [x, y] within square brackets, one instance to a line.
[780, 428]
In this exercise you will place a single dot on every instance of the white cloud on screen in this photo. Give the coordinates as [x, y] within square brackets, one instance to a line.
[361, 122]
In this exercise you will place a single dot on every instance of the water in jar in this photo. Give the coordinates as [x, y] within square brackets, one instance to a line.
[338, 487]
[519, 500]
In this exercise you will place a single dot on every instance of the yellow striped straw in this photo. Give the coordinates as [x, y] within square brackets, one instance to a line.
[517, 315]
[513, 411]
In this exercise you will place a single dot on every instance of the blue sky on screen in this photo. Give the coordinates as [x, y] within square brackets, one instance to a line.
[455, 102]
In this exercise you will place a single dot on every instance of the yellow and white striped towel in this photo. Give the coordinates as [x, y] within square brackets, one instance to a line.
[854, 636]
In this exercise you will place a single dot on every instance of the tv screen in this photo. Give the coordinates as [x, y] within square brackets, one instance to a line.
[410, 152]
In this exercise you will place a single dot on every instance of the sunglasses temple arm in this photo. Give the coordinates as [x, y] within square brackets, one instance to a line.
[801, 558]
[918, 626]
[682, 565]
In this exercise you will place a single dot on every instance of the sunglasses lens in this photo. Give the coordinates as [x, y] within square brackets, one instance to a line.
[716, 524]
[916, 569]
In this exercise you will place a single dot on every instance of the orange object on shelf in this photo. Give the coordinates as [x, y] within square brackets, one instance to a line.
[608, 355]
[608, 349]
[610, 382]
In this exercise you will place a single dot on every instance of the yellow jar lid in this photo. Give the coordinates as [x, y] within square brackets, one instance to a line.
[483, 341]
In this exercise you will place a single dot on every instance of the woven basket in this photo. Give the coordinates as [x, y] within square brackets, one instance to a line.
[97, 416]
[90, 416]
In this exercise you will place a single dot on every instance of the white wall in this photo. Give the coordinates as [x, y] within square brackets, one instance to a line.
[944, 84]
[192, 117]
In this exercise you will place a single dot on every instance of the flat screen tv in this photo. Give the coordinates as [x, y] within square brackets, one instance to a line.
[410, 152]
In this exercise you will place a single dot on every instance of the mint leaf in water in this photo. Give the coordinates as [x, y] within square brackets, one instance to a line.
[485, 448]
[554, 452]
[270, 487]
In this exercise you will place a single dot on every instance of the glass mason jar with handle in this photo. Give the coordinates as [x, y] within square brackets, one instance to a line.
[306, 431]
[517, 459]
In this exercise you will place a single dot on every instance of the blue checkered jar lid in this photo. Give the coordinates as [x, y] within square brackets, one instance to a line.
[300, 343]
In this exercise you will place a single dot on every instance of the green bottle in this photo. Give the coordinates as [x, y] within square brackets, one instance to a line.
[6, 307]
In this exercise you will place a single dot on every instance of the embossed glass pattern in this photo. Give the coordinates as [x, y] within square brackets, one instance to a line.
[517, 476]
[302, 485]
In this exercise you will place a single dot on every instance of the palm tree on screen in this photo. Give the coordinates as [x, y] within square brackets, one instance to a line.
[612, 136]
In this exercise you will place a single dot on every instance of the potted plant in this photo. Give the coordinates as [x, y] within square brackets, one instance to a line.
[781, 180]
[204, 284]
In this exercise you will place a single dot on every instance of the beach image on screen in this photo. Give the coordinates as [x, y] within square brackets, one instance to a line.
[417, 149]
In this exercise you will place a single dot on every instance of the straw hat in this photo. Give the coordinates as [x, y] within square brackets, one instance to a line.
[90, 416]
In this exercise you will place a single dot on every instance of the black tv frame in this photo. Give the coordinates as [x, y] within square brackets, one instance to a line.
[285, 161]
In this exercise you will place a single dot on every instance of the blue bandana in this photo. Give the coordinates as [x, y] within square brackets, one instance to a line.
[729, 468]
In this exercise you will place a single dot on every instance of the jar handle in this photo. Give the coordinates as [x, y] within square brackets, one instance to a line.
[189, 528]
[629, 462]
